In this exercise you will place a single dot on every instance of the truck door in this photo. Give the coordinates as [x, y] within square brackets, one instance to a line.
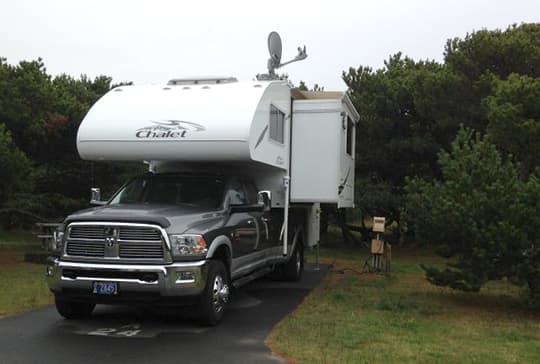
[244, 226]
[261, 219]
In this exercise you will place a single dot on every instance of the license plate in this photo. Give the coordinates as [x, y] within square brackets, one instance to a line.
[105, 288]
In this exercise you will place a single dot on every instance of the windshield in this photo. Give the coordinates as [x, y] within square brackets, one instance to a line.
[170, 189]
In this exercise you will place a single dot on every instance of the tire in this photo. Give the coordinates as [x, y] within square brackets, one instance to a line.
[292, 270]
[73, 310]
[216, 294]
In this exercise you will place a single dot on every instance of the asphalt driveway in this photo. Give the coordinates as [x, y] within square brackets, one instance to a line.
[130, 335]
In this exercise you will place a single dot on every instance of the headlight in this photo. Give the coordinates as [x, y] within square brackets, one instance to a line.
[57, 242]
[185, 245]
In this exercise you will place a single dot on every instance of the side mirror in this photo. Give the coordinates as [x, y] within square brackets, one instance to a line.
[264, 198]
[96, 197]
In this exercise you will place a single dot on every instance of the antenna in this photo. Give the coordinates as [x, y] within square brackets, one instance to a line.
[274, 62]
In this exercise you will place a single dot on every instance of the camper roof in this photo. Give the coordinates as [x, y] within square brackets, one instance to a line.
[208, 80]
[208, 120]
[298, 94]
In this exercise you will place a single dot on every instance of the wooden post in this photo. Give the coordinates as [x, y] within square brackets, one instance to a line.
[377, 245]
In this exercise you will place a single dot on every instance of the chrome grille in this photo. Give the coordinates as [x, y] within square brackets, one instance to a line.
[130, 242]
[139, 234]
[86, 248]
[140, 250]
[87, 232]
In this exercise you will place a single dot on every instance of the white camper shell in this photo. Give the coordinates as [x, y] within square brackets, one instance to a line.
[265, 128]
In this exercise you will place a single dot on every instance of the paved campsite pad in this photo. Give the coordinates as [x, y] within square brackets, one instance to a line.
[132, 335]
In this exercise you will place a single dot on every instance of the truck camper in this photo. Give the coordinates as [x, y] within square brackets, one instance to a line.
[236, 175]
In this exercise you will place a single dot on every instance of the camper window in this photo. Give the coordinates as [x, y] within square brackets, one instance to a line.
[277, 125]
[350, 135]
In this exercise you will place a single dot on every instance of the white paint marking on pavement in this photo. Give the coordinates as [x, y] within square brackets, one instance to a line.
[134, 330]
[123, 331]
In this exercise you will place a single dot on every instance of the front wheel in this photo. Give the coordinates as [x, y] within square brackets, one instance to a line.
[73, 310]
[215, 295]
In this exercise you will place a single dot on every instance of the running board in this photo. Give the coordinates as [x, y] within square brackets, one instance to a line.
[250, 277]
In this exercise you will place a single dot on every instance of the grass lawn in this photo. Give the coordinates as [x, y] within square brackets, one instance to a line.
[19, 240]
[401, 318]
[22, 285]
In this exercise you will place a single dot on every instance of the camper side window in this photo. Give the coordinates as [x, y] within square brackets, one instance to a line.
[277, 125]
[350, 135]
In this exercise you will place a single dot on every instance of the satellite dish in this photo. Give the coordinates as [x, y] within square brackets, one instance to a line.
[274, 47]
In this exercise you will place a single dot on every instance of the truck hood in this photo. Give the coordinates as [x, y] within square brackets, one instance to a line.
[175, 219]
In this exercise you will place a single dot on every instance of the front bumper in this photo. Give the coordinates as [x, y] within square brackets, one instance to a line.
[176, 282]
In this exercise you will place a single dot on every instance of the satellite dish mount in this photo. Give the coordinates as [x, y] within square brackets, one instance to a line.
[274, 62]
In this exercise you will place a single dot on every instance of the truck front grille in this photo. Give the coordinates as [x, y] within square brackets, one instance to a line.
[86, 248]
[140, 250]
[139, 233]
[90, 232]
[115, 241]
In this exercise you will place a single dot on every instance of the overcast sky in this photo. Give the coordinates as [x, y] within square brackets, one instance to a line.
[153, 41]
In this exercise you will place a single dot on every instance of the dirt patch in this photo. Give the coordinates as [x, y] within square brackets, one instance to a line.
[8, 258]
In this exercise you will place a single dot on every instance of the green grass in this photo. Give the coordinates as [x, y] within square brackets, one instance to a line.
[22, 285]
[19, 240]
[401, 318]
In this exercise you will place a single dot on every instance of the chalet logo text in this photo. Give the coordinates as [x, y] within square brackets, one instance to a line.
[168, 129]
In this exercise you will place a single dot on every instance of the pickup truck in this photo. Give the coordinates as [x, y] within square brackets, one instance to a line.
[171, 239]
